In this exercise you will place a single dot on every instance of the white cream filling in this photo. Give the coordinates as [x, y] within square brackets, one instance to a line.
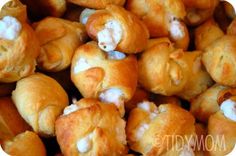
[144, 106]
[115, 55]
[70, 109]
[112, 95]
[141, 130]
[228, 107]
[81, 65]
[176, 29]
[85, 143]
[110, 36]
[85, 14]
[10, 28]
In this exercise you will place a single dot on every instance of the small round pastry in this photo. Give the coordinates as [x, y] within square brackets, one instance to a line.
[150, 128]
[97, 4]
[206, 34]
[90, 127]
[207, 103]
[221, 128]
[6, 89]
[13, 8]
[231, 30]
[117, 29]
[19, 49]
[111, 77]
[199, 11]
[11, 122]
[27, 144]
[219, 60]
[58, 39]
[42, 8]
[40, 100]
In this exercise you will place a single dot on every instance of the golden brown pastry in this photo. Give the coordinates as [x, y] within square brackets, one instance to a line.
[117, 29]
[90, 127]
[172, 70]
[97, 4]
[150, 130]
[27, 144]
[220, 62]
[13, 8]
[40, 100]
[206, 34]
[229, 10]
[41, 8]
[222, 132]
[162, 18]
[111, 76]
[58, 39]
[6, 89]
[139, 95]
[19, 49]
[11, 123]
[231, 30]
[201, 131]
[199, 11]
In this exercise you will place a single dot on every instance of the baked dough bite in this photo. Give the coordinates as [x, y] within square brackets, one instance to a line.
[172, 70]
[201, 131]
[6, 89]
[221, 128]
[13, 8]
[19, 49]
[162, 18]
[27, 144]
[206, 34]
[149, 126]
[90, 127]
[219, 60]
[40, 100]
[117, 29]
[199, 11]
[11, 122]
[111, 77]
[97, 4]
[58, 39]
[42, 8]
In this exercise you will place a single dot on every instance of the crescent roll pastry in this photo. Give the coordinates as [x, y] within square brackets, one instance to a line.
[220, 61]
[90, 127]
[14, 8]
[222, 131]
[11, 123]
[117, 29]
[206, 34]
[150, 129]
[111, 77]
[97, 4]
[40, 100]
[172, 70]
[19, 49]
[27, 144]
[41, 8]
[58, 39]
[199, 11]
[162, 18]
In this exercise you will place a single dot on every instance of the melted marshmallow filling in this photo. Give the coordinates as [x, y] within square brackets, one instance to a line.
[146, 106]
[70, 109]
[141, 130]
[85, 14]
[176, 29]
[81, 65]
[115, 55]
[85, 143]
[112, 95]
[10, 28]
[228, 107]
[110, 36]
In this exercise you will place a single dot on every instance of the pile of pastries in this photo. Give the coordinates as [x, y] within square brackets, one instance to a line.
[116, 77]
